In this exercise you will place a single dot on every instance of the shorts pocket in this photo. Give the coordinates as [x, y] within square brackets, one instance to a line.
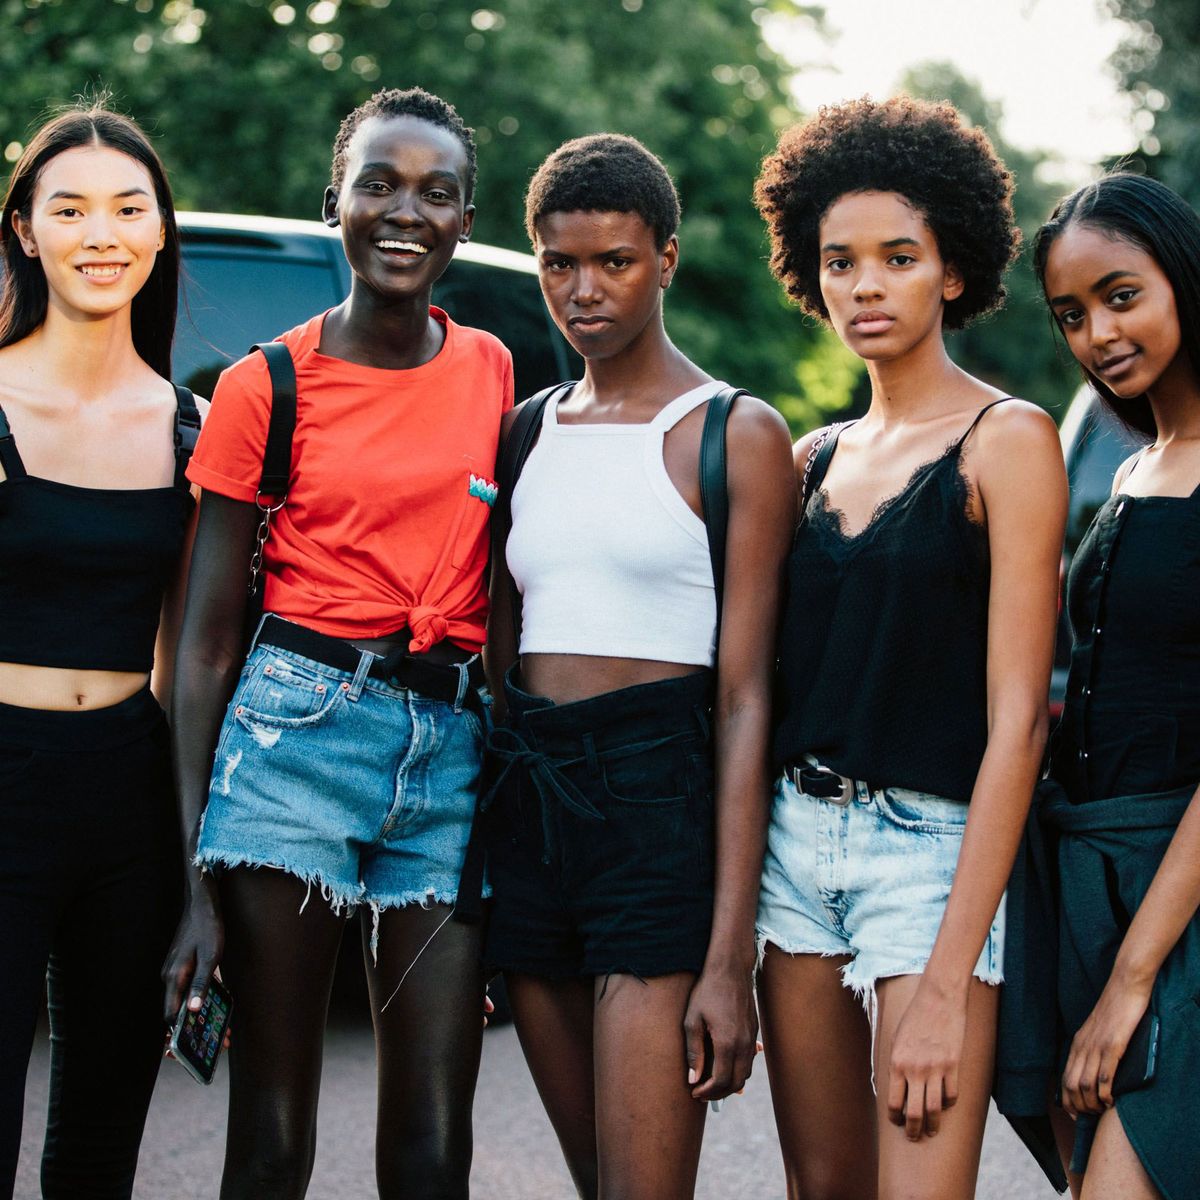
[922, 812]
[657, 775]
[284, 693]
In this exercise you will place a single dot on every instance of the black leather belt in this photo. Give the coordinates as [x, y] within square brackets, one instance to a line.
[822, 782]
[438, 681]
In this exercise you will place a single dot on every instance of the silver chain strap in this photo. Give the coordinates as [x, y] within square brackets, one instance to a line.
[813, 451]
[260, 538]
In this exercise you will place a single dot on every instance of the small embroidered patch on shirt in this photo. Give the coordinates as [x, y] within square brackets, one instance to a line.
[483, 489]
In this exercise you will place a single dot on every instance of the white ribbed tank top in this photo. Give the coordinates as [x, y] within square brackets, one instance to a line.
[607, 555]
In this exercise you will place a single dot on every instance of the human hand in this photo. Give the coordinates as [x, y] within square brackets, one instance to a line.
[1098, 1046]
[195, 952]
[926, 1053]
[720, 1013]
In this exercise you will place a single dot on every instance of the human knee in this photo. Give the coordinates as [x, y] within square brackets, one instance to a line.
[821, 1178]
[434, 1166]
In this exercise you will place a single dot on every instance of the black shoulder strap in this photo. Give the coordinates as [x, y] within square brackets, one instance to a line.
[714, 487]
[979, 417]
[522, 437]
[10, 460]
[277, 453]
[187, 430]
[822, 455]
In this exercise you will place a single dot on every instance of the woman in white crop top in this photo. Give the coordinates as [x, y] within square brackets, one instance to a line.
[624, 879]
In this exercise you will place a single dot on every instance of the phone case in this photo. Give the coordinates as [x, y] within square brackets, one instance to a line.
[1137, 1065]
[211, 1034]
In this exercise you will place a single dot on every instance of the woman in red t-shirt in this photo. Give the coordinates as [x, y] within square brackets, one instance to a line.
[348, 755]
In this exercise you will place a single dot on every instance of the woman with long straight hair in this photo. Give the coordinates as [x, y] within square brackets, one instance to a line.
[1119, 262]
[95, 520]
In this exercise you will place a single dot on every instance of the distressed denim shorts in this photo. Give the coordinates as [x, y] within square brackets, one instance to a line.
[362, 789]
[868, 878]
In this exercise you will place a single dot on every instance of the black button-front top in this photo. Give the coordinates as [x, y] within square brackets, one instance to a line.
[1131, 721]
[83, 570]
[883, 647]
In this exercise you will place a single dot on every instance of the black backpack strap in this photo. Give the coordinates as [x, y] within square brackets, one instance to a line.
[277, 453]
[187, 430]
[10, 460]
[522, 437]
[714, 487]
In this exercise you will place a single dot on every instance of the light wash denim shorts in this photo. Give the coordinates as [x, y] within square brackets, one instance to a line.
[362, 789]
[868, 878]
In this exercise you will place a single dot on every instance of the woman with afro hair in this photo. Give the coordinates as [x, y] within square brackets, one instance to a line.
[914, 661]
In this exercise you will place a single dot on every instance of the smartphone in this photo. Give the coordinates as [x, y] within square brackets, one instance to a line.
[1137, 1065]
[199, 1034]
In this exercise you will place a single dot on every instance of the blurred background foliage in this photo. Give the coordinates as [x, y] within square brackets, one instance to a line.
[244, 97]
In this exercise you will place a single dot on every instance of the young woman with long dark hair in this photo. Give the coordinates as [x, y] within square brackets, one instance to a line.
[347, 753]
[914, 660]
[627, 831]
[1119, 261]
[95, 518]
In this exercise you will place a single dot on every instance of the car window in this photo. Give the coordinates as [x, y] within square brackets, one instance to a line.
[1103, 445]
[229, 301]
[508, 304]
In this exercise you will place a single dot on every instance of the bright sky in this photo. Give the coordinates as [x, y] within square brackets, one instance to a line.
[1044, 60]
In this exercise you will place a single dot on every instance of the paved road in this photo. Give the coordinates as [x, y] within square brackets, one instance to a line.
[516, 1156]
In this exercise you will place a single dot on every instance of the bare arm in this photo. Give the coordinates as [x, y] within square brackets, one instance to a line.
[171, 616]
[1023, 490]
[500, 649]
[206, 669]
[761, 520]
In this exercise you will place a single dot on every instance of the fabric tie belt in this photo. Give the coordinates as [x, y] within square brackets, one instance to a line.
[546, 772]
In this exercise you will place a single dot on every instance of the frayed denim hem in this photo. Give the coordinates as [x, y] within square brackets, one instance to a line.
[341, 900]
[865, 989]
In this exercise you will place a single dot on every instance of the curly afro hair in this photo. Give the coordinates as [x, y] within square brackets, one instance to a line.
[604, 172]
[409, 102]
[923, 151]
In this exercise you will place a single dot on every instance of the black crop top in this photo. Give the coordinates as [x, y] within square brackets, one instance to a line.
[883, 646]
[1131, 721]
[83, 570]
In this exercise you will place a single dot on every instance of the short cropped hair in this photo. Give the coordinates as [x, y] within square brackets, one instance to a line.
[604, 172]
[924, 152]
[408, 102]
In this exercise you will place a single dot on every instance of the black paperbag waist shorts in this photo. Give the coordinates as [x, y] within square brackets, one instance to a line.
[600, 831]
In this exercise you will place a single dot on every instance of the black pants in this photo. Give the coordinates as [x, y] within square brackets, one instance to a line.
[90, 888]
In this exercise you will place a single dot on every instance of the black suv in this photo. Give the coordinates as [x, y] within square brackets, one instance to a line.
[247, 279]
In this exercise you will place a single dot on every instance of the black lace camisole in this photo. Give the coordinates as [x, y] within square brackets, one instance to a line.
[882, 670]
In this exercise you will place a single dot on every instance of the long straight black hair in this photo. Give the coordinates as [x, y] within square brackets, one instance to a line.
[25, 296]
[1147, 214]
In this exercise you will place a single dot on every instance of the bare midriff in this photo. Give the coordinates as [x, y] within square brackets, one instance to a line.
[565, 678]
[65, 689]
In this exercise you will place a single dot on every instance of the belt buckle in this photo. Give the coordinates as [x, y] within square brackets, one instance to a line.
[845, 792]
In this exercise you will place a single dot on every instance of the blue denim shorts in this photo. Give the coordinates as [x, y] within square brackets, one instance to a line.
[868, 878]
[355, 786]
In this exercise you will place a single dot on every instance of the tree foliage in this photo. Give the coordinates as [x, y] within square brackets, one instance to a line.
[1159, 66]
[246, 95]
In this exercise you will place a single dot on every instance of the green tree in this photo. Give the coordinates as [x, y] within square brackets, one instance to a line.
[1014, 349]
[1159, 66]
[246, 95]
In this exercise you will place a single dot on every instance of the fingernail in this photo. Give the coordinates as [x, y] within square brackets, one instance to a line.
[194, 1003]
[693, 1075]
